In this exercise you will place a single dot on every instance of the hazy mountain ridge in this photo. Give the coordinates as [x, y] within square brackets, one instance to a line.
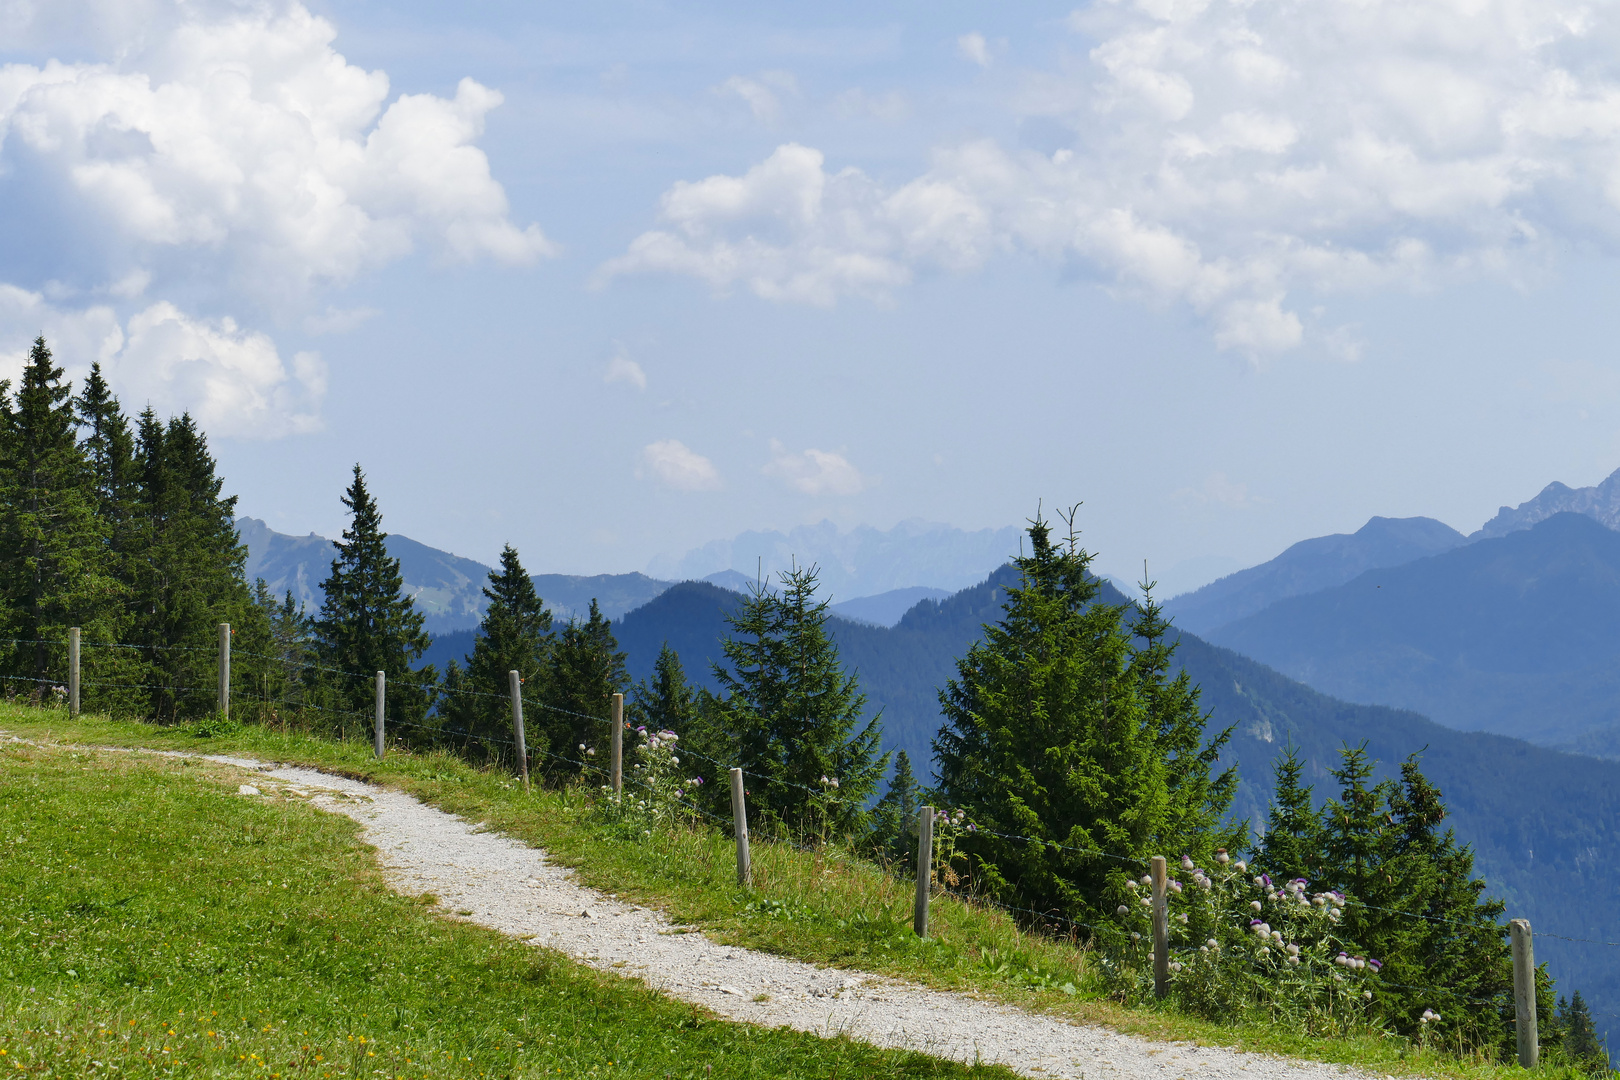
[1311, 566]
[1545, 825]
[1517, 634]
[1600, 502]
[861, 562]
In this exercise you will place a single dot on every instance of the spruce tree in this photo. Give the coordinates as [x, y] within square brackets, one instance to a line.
[368, 623]
[186, 569]
[666, 702]
[514, 635]
[894, 818]
[1582, 1046]
[53, 566]
[790, 715]
[587, 669]
[1414, 902]
[1063, 726]
[1292, 847]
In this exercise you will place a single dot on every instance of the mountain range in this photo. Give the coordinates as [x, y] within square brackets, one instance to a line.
[448, 589]
[1545, 825]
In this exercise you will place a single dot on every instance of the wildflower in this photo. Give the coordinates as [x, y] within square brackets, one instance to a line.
[1276, 935]
[1175, 886]
[1222, 857]
[1335, 913]
[1123, 910]
[833, 783]
[1366, 995]
[582, 746]
[1174, 966]
[1293, 961]
[1213, 943]
[1241, 866]
[1186, 862]
[1264, 951]
[1135, 936]
[1293, 950]
[1147, 901]
[1254, 905]
[1376, 965]
[1182, 919]
[1146, 880]
[591, 752]
[823, 780]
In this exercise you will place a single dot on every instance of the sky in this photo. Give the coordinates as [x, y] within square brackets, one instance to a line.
[610, 281]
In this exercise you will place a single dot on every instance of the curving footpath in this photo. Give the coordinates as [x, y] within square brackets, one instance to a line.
[501, 883]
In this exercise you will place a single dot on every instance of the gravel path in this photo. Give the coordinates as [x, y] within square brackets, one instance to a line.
[501, 883]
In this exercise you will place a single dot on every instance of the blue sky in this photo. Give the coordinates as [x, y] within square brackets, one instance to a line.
[608, 281]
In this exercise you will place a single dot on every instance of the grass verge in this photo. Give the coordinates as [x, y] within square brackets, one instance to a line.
[159, 924]
[804, 905]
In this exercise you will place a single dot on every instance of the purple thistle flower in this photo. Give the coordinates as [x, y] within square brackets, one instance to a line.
[1376, 965]
[1267, 879]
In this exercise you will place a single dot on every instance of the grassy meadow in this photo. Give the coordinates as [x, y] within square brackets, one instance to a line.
[169, 924]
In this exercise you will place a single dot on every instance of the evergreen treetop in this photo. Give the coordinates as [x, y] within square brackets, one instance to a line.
[514, 635]
[1064, 725]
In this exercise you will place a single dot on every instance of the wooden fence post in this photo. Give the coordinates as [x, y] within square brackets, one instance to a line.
[514, 684]
[73, 671]
[225, 669]
[618, 745]
[925, 870]
[377, 732]
[739, 819]
[1161, 926]
[1524, 991]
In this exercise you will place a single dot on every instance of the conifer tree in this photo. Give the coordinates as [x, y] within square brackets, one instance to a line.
[666, 702]
[53, 569]
[186, 570]
[368, 623]
[109, 448]
[791, 717]
[1582, 1046]
[587, 669]
[894, 818]
[1292, 847]
[1063, 725]
[275, 648]
[514, 635]
[1414, 902]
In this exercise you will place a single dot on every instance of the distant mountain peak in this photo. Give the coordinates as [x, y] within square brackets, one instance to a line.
[1601, 503]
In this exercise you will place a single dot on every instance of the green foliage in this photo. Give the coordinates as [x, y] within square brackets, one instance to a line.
[666, 701]
[894, 818]
[368, 623]
[53, 573]
[790, 716]
[1579, 1041]
[1064, 728]
[185, 567]
[1293, 844]
[514, 635]
[587, 669]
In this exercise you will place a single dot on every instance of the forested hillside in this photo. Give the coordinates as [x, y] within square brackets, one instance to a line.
[1543, 823]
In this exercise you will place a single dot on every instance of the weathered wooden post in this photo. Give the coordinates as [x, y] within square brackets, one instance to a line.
[739, 820]
[618, 745]
[377, 733]
[1161, 926]
[925, 870]
[1524, 991]
[514, 683]
[73, 671]
[225, 669]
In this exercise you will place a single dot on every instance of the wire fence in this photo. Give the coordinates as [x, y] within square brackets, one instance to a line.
[290, 662]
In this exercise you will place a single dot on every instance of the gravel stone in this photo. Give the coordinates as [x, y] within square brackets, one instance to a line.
[508, 886]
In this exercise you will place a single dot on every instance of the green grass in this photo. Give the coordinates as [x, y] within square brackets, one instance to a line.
[158, 924]
[811, 906]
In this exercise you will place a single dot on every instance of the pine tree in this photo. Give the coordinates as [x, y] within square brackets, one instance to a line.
[514, 635]
[1064, 726]
[665, 702]
[53, 567]
[791, 717]
[894, 818]
[274, 649]
[1292, 847]
[587, 669]
[1582, 1046]
[186, 565]
[368, 623]
[1414, 902]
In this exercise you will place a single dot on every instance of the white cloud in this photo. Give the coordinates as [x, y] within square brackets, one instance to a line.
[623, 369]
[1218, 490]
[233, 381]
[1226, 156]
[671, 461]
[973, 47]
[891, 107]
[248, 134]
[762, 94]
[815, 472]
[337, 320]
